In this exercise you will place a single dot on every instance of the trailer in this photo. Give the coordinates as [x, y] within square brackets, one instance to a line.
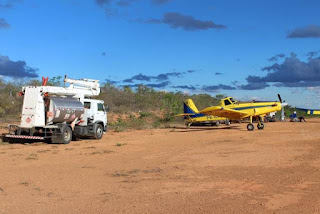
[59, 114]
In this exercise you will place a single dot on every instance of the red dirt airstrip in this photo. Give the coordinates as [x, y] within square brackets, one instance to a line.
[201, 170]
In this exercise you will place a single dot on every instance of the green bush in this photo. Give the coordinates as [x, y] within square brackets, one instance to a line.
[118, 126]
[145, 114]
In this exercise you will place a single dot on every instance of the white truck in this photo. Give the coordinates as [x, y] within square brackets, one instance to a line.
[60, 114]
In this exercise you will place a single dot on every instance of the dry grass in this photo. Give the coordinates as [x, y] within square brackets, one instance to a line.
[125, 173]
[100, 152]
[32, 156]
[154, 170]
[120, 144]
[25, 183]
[90, 147]
[43, 150]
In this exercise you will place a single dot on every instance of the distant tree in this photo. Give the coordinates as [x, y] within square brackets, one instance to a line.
[34, 83]
[55, 81]
[171, 105]
[127, 89]
[220, 96]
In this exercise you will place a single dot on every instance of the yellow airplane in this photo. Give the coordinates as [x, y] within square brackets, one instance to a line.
[192, 117]
[233, 110]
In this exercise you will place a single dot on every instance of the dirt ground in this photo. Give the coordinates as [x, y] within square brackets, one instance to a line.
[201, 170]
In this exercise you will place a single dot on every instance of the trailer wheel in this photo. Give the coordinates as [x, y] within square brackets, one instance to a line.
[98, 133]
[66, 134]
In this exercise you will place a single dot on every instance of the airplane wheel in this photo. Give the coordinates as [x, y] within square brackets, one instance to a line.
[217, 123]
[250, 127]
[188, 125]
[227, 123]
[260, 126]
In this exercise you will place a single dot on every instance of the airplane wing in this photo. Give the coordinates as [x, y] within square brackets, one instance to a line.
[310, 111]
[223, 112]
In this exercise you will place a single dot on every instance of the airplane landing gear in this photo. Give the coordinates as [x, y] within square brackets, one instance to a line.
[260, 126]
[188, 124]
[250, 127]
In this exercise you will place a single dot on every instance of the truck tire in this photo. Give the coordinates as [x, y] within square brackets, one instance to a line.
[66, 134]
[98, 132]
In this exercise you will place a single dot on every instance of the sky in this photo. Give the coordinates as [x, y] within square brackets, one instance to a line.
[246, 49]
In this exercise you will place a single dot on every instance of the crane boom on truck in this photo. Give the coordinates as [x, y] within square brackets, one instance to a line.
[58, 114]
[78, 88]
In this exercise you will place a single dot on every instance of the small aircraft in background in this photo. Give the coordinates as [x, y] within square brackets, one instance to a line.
[192, 117]
[310, 111]
[234, 110]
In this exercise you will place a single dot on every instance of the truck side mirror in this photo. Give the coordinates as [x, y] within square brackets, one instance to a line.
[107, 108]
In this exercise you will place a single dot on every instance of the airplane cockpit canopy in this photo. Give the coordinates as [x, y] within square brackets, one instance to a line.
[229, 101]
[232, 100]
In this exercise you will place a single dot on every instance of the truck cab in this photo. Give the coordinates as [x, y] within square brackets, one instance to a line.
[96, 112]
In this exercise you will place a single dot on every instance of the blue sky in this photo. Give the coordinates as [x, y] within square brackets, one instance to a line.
[246, 49]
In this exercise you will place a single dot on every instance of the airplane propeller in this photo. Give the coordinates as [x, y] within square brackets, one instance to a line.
[279, 98]
[283, 104]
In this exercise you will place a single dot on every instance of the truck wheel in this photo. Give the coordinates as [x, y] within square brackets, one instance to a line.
[66, 134]
[98, 132]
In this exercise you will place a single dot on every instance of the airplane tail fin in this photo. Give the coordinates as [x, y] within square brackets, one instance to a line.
[189, 107]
